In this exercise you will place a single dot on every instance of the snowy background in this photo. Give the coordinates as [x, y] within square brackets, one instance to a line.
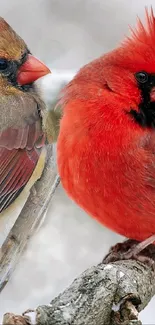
[65, 34]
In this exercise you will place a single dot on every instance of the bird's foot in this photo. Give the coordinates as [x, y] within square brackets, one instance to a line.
[143, 252]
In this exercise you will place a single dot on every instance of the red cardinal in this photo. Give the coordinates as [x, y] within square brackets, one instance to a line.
[106, 145]
[21, 135]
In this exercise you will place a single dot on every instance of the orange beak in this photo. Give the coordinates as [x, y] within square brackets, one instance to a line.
[31, 70]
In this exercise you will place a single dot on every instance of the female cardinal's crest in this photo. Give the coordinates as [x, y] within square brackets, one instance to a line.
[3, 24]
[11, 45]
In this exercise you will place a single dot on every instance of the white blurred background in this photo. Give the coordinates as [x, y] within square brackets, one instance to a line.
[65, 34]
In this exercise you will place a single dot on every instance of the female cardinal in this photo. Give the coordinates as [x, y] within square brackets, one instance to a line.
[22, 139]
[106, 145]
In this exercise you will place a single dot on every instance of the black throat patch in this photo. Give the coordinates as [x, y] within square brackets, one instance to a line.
[146, 115]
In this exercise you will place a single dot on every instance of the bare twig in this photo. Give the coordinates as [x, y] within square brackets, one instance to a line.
[106, 294]
[29, 219]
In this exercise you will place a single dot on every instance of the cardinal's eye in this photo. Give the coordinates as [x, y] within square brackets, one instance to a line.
[3, 64]
[142, 77]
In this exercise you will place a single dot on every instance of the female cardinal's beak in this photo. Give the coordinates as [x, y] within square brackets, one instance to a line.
[31, 70]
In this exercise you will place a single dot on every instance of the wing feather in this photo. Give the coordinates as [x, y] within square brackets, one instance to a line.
[21, 141]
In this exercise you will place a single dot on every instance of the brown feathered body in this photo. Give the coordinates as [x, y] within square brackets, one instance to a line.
[21, 135]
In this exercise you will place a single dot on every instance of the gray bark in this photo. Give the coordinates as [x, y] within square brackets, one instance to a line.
[106, 294]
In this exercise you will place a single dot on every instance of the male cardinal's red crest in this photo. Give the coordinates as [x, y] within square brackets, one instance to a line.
[106, 145]
[21, 136]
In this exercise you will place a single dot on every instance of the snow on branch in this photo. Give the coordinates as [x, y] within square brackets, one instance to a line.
[111, 293]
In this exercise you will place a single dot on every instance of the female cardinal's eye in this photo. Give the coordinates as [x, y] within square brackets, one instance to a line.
[3, 64]
[142, 77]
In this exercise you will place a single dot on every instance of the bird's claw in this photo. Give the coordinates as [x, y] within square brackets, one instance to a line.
[127, 250]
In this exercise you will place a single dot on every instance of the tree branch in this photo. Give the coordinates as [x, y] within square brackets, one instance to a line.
[106, 294]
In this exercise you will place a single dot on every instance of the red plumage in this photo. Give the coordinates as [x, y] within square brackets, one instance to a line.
[106, 158]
